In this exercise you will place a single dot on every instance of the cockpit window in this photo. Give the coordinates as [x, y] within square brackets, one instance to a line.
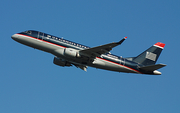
[31, 33]
[28, 32]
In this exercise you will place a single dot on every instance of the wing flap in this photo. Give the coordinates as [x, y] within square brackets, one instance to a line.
[84, 68]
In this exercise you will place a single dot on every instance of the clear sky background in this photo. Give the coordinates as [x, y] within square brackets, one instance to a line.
[31, 83]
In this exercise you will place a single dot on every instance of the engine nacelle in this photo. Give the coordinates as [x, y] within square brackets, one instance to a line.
[70, 52]
[61, 62]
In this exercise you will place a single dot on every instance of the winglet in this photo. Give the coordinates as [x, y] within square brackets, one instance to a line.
[160, 45]
[121, 40]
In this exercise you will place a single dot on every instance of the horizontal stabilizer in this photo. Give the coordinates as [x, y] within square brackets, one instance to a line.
[152, 67]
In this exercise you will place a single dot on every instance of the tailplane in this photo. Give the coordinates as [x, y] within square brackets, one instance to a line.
[152, 67]
[150, 56]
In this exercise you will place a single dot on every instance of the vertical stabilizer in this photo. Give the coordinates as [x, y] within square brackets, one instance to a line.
[150, 56]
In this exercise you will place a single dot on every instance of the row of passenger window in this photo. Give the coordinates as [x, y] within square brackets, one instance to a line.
[45, 36]
[68, 42]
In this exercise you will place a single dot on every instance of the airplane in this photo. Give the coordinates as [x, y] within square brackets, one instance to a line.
[68, 53]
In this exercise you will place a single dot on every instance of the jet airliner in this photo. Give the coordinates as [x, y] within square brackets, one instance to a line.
[68, 53]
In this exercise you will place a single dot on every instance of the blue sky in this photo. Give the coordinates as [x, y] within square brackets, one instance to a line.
[31, 83]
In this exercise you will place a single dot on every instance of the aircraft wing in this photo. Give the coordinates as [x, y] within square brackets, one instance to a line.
[97, 51]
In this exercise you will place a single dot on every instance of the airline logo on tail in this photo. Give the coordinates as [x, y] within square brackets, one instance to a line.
[151, 56]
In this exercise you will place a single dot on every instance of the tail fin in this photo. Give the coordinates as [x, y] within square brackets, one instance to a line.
[150, 56]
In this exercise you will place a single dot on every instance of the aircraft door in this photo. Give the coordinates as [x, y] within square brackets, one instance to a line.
[122, 61]
[40, 35]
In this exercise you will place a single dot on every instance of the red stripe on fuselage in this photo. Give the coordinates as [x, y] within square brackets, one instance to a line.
[96, 57]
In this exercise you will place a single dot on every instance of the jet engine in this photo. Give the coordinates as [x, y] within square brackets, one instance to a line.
[61, 62]
[70, 52]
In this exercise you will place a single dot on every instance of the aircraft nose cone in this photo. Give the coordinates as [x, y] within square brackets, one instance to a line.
[14, 37]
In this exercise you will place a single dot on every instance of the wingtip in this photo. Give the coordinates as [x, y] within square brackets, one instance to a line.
[125, 37]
